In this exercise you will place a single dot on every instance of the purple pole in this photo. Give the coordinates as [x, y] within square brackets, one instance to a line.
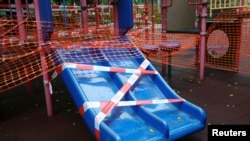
[84, 17]
[48, 96]
[204, 15]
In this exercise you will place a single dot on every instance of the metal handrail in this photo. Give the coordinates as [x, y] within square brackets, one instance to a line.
[228, 4]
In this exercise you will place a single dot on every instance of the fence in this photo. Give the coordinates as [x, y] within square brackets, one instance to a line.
[220, 5]
[228, 46]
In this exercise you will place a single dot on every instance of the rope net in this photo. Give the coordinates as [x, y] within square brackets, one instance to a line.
[22, 50]
[228, 41]
[158, 47]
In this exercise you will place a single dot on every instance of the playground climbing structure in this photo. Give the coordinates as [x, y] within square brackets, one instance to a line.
[20, 36]
[102, 64]
[227, 35]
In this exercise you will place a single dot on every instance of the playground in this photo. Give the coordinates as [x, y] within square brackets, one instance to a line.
[224, 96]
[122, 69]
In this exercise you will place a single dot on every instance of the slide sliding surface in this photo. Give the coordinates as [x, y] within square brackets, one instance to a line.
[155, 122]
[174, 119]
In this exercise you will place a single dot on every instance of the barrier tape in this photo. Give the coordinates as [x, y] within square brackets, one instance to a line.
[117, 97]
[98, 104]
[60, 69]
[61, 7]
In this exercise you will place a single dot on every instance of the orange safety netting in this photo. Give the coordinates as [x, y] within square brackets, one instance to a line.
[22, 53]
[21, 62]
[177, 49]
[228, 44]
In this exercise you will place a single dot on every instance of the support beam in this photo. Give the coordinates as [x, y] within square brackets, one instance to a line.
[41, 37]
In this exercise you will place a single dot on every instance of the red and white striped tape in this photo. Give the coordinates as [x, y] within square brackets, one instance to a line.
[117, 97]
[99, 68]
[108, 69]
[63, 66]
[98, 104]
[141, 6]
[72, 7]
[61, 7]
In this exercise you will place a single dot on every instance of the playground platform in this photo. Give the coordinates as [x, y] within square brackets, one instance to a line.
[225, 96]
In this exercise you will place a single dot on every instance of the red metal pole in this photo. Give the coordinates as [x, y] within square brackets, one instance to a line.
[242, 6]
[84, 17]
[203, 32]
[164, 19]
[153, 16]
[164, 15]
[97, 13]
[48, 96]
[116, 17]
[164, 30]
[21, 29]
[147, 14]
[22, 35]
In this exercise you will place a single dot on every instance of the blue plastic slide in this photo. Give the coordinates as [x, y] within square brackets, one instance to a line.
[153, 122]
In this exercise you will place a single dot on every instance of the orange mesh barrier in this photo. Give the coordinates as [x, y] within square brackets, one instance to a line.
[20, 50]
[21, 62]
[20, 56]
[69, 23]
[159, 47]
[141, 15]
[228, 42]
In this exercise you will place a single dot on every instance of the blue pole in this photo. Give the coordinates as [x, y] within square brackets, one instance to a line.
[125, 15]
[46, 18]
[65, 14]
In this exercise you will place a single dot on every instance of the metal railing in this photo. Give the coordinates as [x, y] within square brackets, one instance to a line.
[228, 4]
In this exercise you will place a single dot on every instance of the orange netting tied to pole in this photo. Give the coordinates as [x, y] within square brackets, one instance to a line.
[177, 49]
[228, 42]
[21, 49]
[20, 62]
[27, 50]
